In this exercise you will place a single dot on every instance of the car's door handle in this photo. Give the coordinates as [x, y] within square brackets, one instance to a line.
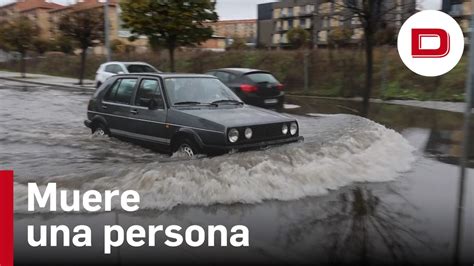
[135, 112]
[104, 106]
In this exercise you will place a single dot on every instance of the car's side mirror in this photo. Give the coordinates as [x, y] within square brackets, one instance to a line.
[156, 103]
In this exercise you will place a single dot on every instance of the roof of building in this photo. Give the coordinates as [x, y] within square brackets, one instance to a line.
[85, 5]
[27, 5]
[235, 21]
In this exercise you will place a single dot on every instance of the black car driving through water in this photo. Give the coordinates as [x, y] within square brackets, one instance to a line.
[254, 87]
[188, 113]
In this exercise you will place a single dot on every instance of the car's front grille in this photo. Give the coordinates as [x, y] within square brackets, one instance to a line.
[263, 133]
[267, 131]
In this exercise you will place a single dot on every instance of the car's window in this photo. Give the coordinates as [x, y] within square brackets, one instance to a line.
[121, 91]
[197, 90]
[262, 77]
[120, 69]
[112, 91]
[148, 90]
[224, 76]
[106, 87]
[113, 68]
[140, 69]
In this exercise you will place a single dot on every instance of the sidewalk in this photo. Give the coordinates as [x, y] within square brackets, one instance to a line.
[45, 80]
[71, 83]
[458, 107]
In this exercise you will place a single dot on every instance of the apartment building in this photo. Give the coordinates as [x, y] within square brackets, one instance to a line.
[47, 15]
[85, 5]
[245, 29]
[36, 10]
[291, 14]
[461, 11]
[265, 27]
[331, 15]
[225, 31]
[319, 18]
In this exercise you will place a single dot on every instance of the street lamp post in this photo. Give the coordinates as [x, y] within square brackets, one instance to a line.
[106, 30]
[465, 144]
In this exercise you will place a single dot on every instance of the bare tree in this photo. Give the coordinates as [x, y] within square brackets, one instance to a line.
[372, 14]
[85, 28]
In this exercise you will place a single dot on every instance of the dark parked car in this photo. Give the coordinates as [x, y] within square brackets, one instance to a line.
[254, 87]
[188, 113]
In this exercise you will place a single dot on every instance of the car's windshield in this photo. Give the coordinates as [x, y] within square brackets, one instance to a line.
[140, 69]
[192, 91]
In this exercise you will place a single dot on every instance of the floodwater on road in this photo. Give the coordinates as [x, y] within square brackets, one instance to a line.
[376, 190]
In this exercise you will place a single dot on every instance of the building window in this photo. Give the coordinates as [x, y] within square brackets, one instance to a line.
[276, 38]
[290, 24]
[355, 21]
[277, 13]
[325, 22]
[290, 11]
[323, 36]
[456, 10]
[303, 23]
[278, 26]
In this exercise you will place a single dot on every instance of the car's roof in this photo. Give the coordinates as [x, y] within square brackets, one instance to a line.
[167, 75]
[240, 70]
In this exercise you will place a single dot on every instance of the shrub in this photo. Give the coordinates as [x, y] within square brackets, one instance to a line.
[337, 73]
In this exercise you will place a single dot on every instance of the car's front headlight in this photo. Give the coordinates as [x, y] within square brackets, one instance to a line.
[293, 128]
[233, 135]
[248, 133]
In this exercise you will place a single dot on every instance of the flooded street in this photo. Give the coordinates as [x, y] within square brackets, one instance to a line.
[376, 190]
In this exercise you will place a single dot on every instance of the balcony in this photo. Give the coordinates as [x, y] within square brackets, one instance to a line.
[305, 14]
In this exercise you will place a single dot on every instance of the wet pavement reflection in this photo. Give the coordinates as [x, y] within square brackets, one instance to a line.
[411, 219]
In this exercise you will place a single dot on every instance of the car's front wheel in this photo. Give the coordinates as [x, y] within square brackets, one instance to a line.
[100, 130]
[185, 147]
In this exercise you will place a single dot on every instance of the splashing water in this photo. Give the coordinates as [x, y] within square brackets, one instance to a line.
[338, 150]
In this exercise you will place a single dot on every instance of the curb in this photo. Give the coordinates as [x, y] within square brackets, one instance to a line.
[81, 88]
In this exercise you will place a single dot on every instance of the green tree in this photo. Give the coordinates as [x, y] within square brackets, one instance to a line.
[41, 45]
[63, 44]
[86, 28]
[298, 37]
[18, 34]
[170, 23]
[117, 46]
[238, 44]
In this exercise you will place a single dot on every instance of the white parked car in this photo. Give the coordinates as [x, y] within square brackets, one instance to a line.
[110, 69]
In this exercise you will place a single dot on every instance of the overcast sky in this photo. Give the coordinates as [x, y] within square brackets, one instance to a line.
[245, 9]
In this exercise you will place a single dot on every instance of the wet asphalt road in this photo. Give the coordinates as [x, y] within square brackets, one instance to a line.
[355, 194]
